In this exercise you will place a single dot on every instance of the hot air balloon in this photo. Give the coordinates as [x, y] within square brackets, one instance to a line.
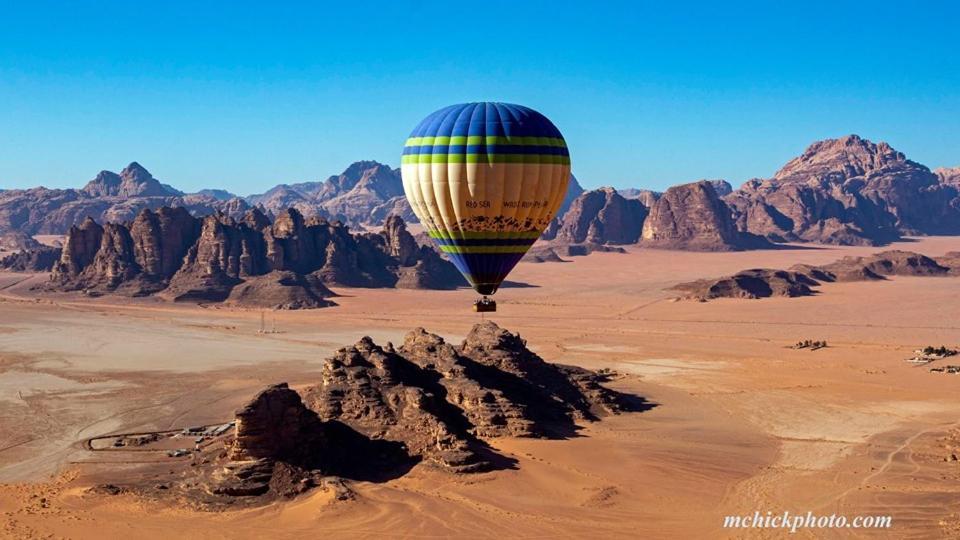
[485, 179]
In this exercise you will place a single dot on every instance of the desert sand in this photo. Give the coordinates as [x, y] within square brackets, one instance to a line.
[742, 423]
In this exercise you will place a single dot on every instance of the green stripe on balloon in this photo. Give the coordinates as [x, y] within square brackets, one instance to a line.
[544, 159]
[484, 249]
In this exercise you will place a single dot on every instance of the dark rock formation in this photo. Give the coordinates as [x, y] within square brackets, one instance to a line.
[284, 264]
[600, 216]
[399, 242]
[800, 279]
[887, 263]
[41, 259]
[848, 191]
[276, 425]
[692, 216]
[428, 401]
[82, 245]
[438, 399]
[755, 283]
[277, 290]
[161, 239]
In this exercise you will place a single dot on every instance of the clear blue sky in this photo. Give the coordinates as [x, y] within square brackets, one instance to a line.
[243, 96]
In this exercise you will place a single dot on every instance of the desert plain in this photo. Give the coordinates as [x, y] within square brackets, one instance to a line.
[742, 421]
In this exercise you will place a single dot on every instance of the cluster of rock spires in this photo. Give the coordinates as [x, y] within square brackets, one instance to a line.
[287, 263]
[379, 409]
[800, 279]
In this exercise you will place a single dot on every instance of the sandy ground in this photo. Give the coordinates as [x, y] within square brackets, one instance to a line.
[743, 422]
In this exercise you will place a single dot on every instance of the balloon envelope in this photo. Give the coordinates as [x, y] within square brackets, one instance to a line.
[485, 179]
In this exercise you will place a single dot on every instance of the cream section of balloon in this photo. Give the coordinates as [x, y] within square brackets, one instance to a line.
[451, 196]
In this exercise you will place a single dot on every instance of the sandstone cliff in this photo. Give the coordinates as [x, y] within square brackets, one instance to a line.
[600, 216]
[694, 217]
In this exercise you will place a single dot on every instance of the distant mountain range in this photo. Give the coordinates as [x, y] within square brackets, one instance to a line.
[846, 191]
[839, 191]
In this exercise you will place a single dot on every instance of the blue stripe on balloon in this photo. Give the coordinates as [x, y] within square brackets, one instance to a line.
[485, 149]
[482, 269]
[485, 268]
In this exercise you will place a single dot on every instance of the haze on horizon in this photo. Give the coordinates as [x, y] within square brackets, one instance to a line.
[236, 96]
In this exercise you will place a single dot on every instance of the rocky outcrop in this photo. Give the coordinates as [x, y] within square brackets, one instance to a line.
[276, 290]
[694, 217]
[877, 266]
[848, 191]
[754, 283]
[801, 279]
[428, 401]
[285, 264]
[437, 398]
[600, 216]
[276, 425]
[399, 242]
[161, 239]
[79, 250]
[41, 259]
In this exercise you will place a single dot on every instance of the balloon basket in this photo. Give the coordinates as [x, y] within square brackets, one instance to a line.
[485, 305]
